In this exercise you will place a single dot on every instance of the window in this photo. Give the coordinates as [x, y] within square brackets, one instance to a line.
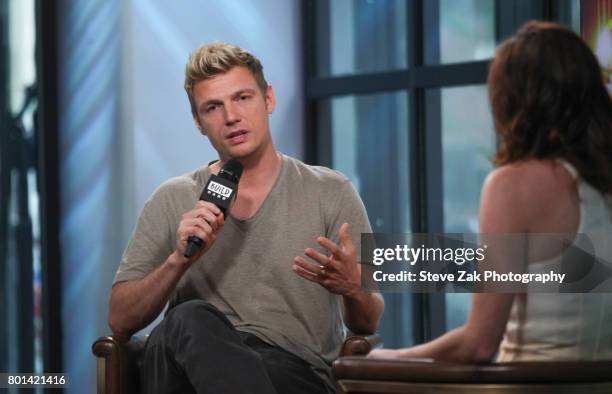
[29, 257]
[368, 144]
[387, 82]
[468, 143]
[21, 265]
[360, 36]
[465, 31]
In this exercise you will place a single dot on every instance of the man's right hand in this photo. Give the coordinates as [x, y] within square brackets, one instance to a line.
[135, 303]
[204, 222]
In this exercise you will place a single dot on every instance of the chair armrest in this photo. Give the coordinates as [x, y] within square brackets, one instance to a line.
[360, 345]
[426, 370]
[118, 364]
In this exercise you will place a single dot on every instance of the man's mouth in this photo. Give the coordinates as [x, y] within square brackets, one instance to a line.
[237, 136]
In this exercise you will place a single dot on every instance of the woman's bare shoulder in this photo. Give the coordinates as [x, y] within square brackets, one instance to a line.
[532, 179]
[513, 195]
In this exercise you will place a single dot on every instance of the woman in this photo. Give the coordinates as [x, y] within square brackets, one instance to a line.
[553, 118]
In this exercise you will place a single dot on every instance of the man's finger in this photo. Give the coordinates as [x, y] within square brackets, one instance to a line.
[305, 274]
[345, 236]
[318, 257]
[199, 222]
[315, 269]
[208, 205]
[196, 231]
[201, 208]
[209, 217]
[331, 247]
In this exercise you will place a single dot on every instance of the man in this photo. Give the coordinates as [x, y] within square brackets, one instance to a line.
[249, 312]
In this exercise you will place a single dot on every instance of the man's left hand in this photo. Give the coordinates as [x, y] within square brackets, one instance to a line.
[339, 271]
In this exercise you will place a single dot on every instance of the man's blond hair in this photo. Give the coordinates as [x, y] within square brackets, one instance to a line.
[218, 58]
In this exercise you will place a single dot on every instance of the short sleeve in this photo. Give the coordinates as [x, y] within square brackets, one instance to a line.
[152, 239]
[348, 208]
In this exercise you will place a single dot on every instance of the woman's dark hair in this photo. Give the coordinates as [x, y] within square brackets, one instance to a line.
[549, 101]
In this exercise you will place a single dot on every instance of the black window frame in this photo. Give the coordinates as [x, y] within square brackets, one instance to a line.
[40, 153]
[425, 133]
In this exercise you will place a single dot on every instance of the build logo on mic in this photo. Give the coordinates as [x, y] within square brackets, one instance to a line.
[218, 190]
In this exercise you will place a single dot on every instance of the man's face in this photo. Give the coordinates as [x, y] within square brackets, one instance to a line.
[233, 113]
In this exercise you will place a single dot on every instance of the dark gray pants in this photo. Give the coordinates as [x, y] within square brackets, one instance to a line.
[195, 349]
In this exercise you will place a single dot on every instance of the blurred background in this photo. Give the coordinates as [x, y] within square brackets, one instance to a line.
[94, 117]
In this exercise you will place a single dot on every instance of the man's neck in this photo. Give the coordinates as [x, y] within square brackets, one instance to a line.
[260, 171]
[257, 169]
[256, 182]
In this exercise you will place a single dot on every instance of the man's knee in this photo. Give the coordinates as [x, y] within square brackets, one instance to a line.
[199, 313]
[184, 325]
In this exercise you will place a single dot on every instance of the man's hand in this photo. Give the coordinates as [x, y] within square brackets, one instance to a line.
[339, 272]
[204, 222]
[136, 303]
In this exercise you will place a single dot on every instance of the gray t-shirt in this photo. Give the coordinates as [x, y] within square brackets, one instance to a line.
[247, 274]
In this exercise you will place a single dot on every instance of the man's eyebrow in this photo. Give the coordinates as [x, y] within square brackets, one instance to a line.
[219, 101]
[245, 90]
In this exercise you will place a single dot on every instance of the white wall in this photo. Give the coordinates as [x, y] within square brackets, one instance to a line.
[156, 119]
[125, 127]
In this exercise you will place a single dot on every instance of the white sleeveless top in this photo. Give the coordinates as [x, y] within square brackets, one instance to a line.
[568, 326]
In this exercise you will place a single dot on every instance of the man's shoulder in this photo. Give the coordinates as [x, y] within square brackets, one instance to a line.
[307, 173]
[182, 184]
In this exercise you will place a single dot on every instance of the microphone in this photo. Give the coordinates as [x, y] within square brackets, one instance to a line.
[220, 190]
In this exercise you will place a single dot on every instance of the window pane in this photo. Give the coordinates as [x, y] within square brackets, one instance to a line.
[369, 144]
[568, 13]
[468, 142]
[357, 36]
[459, 31]
[20, 221]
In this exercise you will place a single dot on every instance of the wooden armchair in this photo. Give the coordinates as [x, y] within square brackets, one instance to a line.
[118, 364]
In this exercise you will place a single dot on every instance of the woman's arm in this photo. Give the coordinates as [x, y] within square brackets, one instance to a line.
[501, 212]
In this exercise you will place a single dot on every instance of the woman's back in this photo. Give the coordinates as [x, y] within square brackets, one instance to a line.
[550, 108]
[553, 199]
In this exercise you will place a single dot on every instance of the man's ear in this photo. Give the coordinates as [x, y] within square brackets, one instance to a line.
[270, 99]
[198, 124]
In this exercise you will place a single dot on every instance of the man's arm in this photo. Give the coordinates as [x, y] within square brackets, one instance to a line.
[362, 311]
[341, 274]
[135, 303]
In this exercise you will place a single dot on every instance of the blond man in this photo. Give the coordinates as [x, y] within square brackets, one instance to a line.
[263, 306]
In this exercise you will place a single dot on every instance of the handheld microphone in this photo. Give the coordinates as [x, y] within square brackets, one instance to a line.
[220, 190]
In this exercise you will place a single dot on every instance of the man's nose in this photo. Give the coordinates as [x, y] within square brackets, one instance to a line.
[232, 114]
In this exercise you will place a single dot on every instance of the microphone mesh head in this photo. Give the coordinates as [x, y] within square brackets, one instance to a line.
[232, 170]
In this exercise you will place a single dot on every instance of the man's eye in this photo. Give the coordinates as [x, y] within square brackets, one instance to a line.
[245, 97]
[211, 108]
